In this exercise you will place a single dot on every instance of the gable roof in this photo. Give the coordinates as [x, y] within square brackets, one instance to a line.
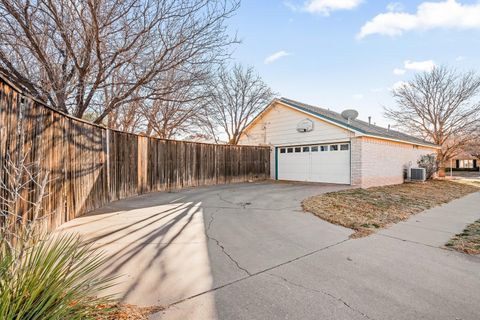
[362, 127]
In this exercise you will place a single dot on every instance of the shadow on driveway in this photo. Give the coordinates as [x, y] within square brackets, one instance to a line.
[248, 251]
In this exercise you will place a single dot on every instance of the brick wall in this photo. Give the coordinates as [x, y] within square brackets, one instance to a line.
[378, 162]
[356, 161]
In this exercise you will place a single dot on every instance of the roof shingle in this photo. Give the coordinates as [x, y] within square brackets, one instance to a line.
[356, 124]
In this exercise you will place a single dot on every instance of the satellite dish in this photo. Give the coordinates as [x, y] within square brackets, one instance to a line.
[306, 125]
[350, 114]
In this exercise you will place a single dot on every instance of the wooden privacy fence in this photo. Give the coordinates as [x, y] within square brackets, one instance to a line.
[89, 165]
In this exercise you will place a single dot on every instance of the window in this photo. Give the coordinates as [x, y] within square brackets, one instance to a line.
[314, 149]
[306, 149]
[344, 147]
[323, 148]
[465, 164]
[290, 150]
[298, 149]
[334, 147]
[282, 150]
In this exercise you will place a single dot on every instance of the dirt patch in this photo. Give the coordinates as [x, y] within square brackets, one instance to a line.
[468, 241]
[366, 210]
[128, 312]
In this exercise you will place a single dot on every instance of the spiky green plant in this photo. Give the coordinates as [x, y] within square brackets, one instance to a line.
[54, 278]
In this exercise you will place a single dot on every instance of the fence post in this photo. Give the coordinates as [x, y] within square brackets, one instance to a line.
[142, 164]
[107, 154]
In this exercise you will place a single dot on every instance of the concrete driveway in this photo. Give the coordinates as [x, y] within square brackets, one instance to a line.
[247, 251]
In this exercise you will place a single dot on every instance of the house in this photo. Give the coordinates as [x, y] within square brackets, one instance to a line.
[319, 145]
[465, 162]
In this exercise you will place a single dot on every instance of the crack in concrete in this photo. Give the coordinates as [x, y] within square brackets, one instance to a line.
[322, 292]
[429, 246]
[412, 241]
[245, 204]
[226, 201]
[207, 232]
[254, 274]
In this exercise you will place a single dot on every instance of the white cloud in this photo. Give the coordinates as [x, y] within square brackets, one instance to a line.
[398, 85]
[460, 58]
[429, 15]
[398, 71]
[395, 7]
[358, 96]
[325, 7]
[275, 56]
[426, 65]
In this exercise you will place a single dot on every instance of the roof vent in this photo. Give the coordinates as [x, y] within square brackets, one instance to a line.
[350, 114]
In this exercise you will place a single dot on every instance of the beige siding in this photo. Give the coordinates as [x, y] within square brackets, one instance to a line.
[278, 126]
[272, 163]
[382, 162]
[374, 162]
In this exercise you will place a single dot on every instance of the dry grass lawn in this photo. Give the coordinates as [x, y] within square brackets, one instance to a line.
[468, 241]
[366, 210]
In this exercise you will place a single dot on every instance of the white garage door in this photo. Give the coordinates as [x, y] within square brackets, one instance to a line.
[317, 163]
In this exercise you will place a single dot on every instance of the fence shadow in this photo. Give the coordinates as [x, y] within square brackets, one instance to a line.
[89, 165]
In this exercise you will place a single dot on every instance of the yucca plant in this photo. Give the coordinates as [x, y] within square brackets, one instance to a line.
[42, 275]
[55, 278]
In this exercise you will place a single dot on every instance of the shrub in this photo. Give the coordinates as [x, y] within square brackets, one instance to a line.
[430, 163]
[43, 276]
[54, 278]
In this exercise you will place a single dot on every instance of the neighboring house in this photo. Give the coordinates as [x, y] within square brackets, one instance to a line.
[465, 161]
[314, 144]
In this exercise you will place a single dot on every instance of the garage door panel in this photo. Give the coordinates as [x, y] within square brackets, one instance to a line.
[293, 166]
[317, 166]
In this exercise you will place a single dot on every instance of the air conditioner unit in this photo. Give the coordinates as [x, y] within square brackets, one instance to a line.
[418, 174]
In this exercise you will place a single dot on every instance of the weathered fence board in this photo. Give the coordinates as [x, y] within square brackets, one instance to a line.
[89, 165]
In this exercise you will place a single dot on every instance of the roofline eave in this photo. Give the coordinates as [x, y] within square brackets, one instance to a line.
[433, 146]
[358, 133]
[323, 118]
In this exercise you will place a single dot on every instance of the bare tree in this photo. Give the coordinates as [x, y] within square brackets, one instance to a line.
[441, 106]
[174, 113]
[473, 148]
[128, 117]
[237, 96]
[170, 112]
[97, 55]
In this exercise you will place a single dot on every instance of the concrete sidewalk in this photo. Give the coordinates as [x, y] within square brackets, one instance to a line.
[436, 226]
[248, 251]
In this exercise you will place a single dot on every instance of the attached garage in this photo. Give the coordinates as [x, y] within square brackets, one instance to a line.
[328, 163]
[315, 144]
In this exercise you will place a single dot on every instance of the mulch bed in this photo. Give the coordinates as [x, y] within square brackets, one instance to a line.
[128, 312]
[367, 210]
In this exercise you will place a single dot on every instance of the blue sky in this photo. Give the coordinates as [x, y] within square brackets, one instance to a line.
[349, 53]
